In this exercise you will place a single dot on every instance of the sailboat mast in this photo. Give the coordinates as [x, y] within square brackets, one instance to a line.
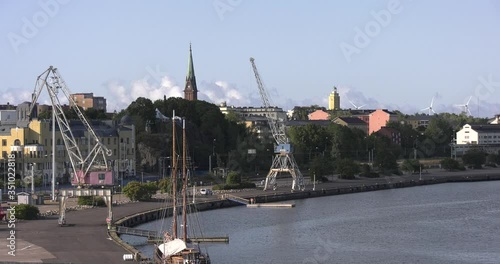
[184, 184]
[174, 180]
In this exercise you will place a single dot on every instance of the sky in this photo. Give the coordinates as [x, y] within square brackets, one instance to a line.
[399, 55]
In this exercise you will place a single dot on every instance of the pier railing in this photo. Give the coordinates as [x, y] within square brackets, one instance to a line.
[235, 198]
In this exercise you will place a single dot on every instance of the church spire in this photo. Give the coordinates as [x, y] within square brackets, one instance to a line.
[190, 90]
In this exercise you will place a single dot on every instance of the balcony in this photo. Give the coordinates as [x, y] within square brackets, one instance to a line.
[16, 148]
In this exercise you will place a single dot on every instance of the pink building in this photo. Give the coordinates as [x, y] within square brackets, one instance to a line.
[319, 115]
[379, 119]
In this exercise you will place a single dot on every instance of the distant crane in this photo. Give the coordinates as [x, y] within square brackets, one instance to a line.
[52, 81]
[283, 160]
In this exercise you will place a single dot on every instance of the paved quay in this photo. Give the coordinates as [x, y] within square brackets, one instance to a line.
[85, 239]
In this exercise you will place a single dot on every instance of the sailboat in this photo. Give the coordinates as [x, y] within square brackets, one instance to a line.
[175, 250]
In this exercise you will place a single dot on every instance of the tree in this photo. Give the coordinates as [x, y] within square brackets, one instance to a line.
[450, 164]
[386, 161]
[347, 168]
[438, 137]
[475, 158]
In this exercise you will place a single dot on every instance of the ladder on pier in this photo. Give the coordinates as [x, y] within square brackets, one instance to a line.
[235, 198]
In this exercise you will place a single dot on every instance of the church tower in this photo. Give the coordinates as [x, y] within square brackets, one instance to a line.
[190, 90]
[334, 100]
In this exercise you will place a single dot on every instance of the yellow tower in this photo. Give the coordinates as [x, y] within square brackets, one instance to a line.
[334, 100]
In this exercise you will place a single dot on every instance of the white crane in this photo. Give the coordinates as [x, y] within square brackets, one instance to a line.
[283, 160]
[52, 81]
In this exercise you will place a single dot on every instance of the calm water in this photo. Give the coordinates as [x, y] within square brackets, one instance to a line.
[446, 223]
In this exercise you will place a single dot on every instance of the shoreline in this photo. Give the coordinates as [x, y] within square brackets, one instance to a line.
[323, 189]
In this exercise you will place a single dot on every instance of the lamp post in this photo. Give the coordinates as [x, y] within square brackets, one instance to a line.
[314, 182]
[210, 157]
[33, 178]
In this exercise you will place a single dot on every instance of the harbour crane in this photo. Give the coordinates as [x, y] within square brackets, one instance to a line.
[80, 164]
[283, 160]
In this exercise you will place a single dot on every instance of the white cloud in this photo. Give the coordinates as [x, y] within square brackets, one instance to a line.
[122, 95]
[222, 91]
[14, 96]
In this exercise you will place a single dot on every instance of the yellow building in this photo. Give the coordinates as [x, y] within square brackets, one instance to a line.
[334, 100]
[31, 142]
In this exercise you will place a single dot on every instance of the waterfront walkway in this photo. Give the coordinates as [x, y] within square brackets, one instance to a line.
[85, 239]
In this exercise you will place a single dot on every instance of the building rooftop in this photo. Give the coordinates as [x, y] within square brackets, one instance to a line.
[307, 122]
[485, 128]
[351, 120]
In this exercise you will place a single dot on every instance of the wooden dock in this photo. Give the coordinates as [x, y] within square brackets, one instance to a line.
[271, 205]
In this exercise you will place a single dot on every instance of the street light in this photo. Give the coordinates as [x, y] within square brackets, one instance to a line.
[33, 178]
[314, 182]
[210, 157]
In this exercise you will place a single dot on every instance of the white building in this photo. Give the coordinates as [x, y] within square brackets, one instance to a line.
[495, 121]
[244, 112]
[479, 134]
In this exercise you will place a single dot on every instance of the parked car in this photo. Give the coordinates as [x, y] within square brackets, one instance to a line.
[205, 191]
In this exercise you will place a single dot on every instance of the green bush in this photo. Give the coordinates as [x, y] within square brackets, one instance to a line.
[26, 211]
[366, 171]
[91, 200]
[474, 158]
[410, 165]
[137, 191]
[233, 178]
[164, 185]
[450, 164]
[347, 168]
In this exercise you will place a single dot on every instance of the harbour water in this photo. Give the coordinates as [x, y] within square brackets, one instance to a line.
[445, 223]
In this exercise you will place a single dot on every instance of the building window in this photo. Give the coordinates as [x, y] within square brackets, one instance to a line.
[4, 154]
[109, 141]
[114, 141]
[128, 141]
[101, 176]
[4, 142]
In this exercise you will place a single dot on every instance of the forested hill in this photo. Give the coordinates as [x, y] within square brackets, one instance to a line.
[208, 131]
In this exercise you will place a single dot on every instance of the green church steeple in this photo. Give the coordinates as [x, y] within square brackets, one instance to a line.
[190, 90]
